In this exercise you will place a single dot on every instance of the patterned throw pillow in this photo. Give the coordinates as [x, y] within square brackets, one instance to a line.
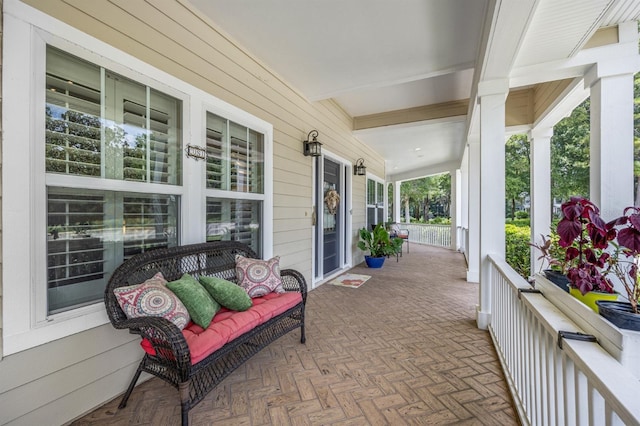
[226, 293]
[152, 299]
[198, 301]
[259, 277]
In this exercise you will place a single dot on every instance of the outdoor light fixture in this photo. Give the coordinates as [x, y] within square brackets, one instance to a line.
[359, 169]
[312, 147]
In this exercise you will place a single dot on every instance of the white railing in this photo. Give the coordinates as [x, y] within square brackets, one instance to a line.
[434, 235]
[574, 383]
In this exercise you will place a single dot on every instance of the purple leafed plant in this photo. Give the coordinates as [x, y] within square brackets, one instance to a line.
[625, 263]
[585, 236]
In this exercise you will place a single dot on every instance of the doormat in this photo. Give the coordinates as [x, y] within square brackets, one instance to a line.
[350, 280]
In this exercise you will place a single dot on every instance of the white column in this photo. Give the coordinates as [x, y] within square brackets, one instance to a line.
[464, 201]
[492, 96]
[540, 142]
[396, 202]
[453, 209]
[473, 257]
[458, 210]
[385, 209]
[611, 143]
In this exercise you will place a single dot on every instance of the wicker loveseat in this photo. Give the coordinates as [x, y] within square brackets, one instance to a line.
[167, 351]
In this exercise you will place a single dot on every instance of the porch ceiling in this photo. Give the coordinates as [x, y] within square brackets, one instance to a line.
[385, 61]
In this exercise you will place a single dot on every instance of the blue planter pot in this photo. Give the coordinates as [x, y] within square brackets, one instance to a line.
[619, 314]
[374, 262]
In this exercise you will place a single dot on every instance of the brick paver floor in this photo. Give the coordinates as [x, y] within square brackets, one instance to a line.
[403, 349]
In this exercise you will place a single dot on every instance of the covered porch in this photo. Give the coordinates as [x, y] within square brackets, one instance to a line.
[412, 345]
[403, 348]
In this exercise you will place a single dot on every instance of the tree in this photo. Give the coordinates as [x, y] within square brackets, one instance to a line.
[426, 195]
[410, 192]
[517, 166]
[439, 195]
[570, 154]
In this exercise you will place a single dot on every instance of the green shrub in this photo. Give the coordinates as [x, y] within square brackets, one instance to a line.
[522, 214]
[521, 223]
[440, 221]
[517, 248]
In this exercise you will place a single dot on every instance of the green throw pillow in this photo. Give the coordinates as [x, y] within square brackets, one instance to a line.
[226, 293]
[199, 303]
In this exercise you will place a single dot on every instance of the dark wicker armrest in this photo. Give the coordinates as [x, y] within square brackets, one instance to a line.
[167, 340]
[293, 280]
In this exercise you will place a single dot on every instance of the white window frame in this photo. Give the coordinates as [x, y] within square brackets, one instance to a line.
[27, 31]
[377, 180]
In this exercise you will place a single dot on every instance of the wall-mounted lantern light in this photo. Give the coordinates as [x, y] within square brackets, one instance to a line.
[312, 146]
[359, 169]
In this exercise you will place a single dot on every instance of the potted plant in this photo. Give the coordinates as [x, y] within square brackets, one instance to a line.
[581, 251]
[624, 265]
[556, 260]
[379, 244]
[585, 237]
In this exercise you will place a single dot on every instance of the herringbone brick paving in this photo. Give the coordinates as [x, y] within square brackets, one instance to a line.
[403, 349]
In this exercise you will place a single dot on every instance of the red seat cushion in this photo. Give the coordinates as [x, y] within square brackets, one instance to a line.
[228, 325]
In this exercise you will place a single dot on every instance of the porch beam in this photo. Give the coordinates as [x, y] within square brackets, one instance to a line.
[412, 115]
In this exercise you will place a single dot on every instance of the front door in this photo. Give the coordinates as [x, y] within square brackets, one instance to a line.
[332, 217]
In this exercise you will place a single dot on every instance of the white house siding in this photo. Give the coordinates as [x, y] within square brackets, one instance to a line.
[58, 381]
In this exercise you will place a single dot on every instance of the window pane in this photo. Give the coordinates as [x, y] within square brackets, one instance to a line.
[91, 232]
[109, 127]
[256, 158]
[149, 222]
[234, 220]
[371, 191]
[73, 127]
[235, 156]
[371, 217]
[216, 164]
[380, 194]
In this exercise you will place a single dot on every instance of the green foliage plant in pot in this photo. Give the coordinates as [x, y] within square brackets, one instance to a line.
[555, 257]
[624, 264]
[585, 237]
[379, 245]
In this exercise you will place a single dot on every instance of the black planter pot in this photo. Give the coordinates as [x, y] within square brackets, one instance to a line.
[619, 314]
[557, 278]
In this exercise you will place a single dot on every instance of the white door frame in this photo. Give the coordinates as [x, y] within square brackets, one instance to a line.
[346, 220]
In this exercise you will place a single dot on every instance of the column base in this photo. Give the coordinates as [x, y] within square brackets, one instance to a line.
[483, 319]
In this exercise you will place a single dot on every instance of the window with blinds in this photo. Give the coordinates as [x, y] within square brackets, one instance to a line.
[102, 125]
[375, 202]
[73, 119]
[149, 222]
[90, 232]
[235, 164]
[234, 220]
[235, 156]
[75, 248]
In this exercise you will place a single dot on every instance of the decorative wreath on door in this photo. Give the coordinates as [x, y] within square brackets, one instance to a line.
[331, 200]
